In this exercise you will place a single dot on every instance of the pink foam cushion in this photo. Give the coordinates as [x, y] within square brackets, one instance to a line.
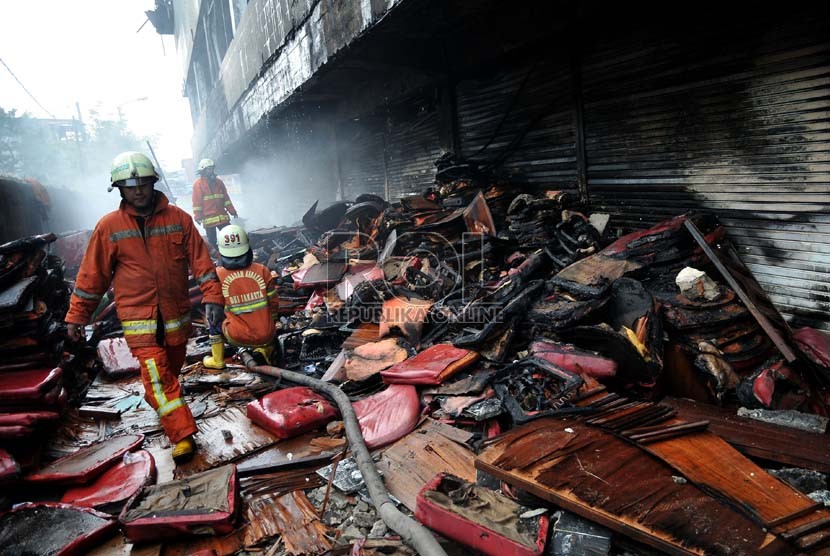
[291, 412]
[117, 484]
[388, 415]
[116, 357]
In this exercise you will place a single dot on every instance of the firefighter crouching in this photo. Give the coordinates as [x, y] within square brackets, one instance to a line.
[250, 300]
[144, 250]
[211, 202]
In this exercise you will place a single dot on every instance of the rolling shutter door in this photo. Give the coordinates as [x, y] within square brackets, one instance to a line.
[501, 108]
[412, 147]
[733, 121]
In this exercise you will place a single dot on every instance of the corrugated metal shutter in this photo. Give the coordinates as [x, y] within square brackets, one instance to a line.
[536, 95]
[361, 158]
[412, 147]
[735, 121]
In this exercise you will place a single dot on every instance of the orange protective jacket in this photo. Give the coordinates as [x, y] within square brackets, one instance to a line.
[211, 203]
[251, 304]
[148, 273]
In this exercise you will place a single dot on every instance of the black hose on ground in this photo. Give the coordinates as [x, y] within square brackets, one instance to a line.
[413, 533]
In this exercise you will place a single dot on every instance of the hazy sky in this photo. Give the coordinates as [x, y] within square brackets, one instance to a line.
[88, 51]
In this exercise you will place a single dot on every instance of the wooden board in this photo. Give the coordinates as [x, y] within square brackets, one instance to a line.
[710, 462]
[297, 523]
[758, 439]
[411, 462]
[215, 448]
[617, 484]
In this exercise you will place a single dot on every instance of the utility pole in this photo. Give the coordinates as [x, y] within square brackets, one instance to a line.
[80, 136]
[169, 191]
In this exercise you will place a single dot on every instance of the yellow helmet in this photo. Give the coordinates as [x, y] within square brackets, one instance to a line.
[204, 164]
[130, 169]
[233, 241]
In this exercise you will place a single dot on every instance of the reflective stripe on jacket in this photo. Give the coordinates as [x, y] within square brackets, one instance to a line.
[147, 273]
[211, 203]
[251, 304]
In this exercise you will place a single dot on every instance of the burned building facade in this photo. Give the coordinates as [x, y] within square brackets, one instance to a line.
[641, 114]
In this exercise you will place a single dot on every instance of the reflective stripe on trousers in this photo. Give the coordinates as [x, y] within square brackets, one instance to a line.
[160, 367]
[165, 406]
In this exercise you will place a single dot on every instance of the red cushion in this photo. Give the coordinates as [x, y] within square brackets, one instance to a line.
[388, 415]
[87, 463]
[291, 412]
[432, 366]
[117, 484]
[573, 359]
[32, 384]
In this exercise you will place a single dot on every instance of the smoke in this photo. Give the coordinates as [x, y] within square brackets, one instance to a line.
[292, 169]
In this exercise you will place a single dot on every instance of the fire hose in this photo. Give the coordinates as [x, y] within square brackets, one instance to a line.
[413, 533]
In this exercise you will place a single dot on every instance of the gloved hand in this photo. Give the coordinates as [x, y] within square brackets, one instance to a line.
[74, 332]
[215, 314]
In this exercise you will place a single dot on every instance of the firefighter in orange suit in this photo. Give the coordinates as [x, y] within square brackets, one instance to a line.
[211, 203]
[144, 250]
[250, 300]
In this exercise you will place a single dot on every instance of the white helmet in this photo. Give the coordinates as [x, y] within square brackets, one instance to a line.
[233, 241]
[205, 163]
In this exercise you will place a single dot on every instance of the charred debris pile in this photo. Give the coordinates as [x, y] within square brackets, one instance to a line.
[523, 383]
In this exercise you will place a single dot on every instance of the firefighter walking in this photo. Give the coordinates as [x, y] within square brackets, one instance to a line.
[144, 249]
[251, 302]
[211, 203]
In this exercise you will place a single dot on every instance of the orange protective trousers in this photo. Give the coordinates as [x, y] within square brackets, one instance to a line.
[160, 367]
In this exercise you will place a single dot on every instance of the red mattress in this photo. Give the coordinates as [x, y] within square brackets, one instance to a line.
[87, 463]
[117, 484]
[291, 412]
[54, 529]
[388, 415]
[432, 366]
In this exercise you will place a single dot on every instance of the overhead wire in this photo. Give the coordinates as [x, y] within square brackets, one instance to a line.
[25, 89]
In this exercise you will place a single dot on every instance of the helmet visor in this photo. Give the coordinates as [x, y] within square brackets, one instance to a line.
[135, 182]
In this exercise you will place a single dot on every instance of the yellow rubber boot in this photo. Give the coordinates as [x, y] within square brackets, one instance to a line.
[265, 352]
[217, 359]
[183, 450]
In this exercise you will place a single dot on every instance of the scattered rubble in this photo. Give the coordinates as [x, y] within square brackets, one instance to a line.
[525, 384]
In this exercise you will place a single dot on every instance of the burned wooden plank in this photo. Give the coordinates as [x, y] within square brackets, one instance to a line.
[414, 460]
[757, 439]
[765, 323]
[225, 438]
[99, 412]
[617, 484]
[296, 521]
[710, 462]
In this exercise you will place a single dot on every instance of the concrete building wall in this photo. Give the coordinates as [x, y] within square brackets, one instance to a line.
[278, 46]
